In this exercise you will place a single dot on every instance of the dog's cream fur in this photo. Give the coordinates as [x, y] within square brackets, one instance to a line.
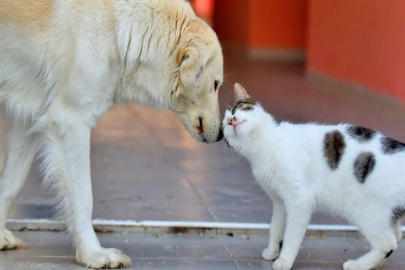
[63, 63]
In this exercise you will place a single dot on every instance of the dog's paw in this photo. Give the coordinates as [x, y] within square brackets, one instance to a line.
[352, 265]
[281, 264]
[110, 258]
[9, 241]
[270, 254]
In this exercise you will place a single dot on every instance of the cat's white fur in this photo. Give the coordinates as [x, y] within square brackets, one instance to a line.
[288, 161]
[63, 63]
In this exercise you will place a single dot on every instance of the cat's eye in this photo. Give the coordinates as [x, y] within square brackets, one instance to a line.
[247, 108]
[216, 84]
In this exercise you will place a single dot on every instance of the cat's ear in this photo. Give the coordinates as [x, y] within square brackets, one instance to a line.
[240, 92]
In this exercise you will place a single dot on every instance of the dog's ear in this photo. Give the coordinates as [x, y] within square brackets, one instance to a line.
[188, 59]
[194, 53]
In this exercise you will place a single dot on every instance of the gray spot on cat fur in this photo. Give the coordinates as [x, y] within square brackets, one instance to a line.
[363, 166]
[391, 146]
[334, 147]
[361, 134]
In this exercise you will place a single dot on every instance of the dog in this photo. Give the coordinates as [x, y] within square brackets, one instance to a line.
[63, 63]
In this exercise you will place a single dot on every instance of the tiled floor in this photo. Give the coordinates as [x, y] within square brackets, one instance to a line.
[146, 167]
[54, 251]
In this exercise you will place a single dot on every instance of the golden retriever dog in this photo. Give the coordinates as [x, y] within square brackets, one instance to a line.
[63, 63]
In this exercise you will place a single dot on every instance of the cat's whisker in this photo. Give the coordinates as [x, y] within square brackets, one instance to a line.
[229, 74]
[228, 102]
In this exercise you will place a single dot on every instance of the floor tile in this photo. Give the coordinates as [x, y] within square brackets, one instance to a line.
[184, 265]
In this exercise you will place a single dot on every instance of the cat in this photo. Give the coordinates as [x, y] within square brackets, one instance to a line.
[346, 170]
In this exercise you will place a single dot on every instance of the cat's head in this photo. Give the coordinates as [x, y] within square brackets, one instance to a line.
[242, 116]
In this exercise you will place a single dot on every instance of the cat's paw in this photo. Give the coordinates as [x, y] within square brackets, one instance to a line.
[9, 241]
[352, 265]
[110, 258]
[281, 264]
[270, 254]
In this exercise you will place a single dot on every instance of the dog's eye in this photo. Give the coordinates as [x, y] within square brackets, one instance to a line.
[216, 84]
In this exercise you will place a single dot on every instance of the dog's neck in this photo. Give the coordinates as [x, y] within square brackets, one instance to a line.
[148, 35]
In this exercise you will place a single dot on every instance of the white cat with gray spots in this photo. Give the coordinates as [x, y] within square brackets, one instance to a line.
[345, 170]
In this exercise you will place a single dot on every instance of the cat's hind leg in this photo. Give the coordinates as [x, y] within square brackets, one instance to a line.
[278, 221]
[383, 240]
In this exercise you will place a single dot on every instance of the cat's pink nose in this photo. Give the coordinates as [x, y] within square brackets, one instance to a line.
[230, 121]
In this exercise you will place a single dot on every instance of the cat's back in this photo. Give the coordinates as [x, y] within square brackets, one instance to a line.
[300, 147]
[344, 160]
[306, 137]
[347, 136]
[328, 148]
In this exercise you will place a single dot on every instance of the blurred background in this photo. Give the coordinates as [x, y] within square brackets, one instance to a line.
[359, 41]
[305, 60]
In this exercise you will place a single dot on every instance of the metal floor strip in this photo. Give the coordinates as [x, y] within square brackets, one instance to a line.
[108, 226]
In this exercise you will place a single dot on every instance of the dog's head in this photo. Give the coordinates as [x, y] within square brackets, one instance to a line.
[200, 74]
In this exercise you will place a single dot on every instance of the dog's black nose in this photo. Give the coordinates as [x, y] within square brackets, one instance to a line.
[220, 135]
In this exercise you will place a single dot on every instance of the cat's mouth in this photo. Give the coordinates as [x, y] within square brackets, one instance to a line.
[237, 124]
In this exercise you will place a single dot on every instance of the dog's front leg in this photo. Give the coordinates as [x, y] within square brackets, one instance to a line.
[67, 167]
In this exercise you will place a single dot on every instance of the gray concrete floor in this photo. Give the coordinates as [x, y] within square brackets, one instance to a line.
[54, 251]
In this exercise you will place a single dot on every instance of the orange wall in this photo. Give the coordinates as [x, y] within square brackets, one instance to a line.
[360, 41]
[262, 24]
[203, 7]
[231, 20]
[278, 24]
